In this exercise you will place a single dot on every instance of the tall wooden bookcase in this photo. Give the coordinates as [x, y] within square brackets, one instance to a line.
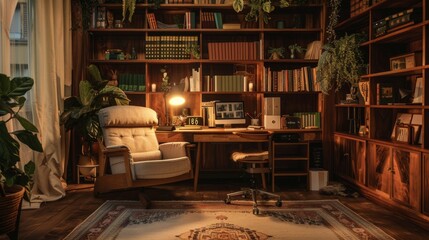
[302, 24]
[296, 24]
[378, 156]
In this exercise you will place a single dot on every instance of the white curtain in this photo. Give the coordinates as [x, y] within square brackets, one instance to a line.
[7, 9]
[51, 69]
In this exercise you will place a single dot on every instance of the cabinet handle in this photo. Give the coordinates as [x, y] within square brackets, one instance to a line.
[346, 156]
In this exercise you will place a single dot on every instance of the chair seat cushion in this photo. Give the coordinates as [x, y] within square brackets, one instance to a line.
[249, 156]
[158, 169]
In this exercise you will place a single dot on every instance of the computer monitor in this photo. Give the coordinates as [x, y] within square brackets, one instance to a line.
[228, 113]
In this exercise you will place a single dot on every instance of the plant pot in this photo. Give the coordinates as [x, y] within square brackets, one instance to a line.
[10, 211]
[87, 160]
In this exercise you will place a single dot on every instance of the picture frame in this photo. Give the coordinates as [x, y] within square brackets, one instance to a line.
[403, 133]
[402, 62]
[418, 90]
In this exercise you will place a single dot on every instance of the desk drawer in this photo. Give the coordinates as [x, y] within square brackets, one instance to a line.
[219, 138]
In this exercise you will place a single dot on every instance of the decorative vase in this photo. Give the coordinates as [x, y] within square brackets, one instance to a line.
[10, 211]
[364, 91]
[292, 54]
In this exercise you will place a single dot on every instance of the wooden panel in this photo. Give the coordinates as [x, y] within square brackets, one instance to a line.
[426, 184]
[350, 159]
[379, 169]
[407, 177]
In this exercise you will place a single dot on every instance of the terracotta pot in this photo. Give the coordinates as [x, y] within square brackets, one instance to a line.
[10, 207]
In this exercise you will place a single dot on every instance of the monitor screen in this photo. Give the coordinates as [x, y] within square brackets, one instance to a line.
[228, 113]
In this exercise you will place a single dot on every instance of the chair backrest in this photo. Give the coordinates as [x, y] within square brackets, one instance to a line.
[132, 126]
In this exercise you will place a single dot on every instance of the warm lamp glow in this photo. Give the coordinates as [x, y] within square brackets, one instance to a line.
[176, 100]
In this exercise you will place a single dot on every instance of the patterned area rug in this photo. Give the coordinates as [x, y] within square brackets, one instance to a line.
[204, 220]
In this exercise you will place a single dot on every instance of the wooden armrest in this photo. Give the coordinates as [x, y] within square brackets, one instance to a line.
[115, 150]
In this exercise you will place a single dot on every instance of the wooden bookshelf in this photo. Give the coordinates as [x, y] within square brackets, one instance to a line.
[378, 165]
[220, 49]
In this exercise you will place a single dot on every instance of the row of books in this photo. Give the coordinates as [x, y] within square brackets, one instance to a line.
[211, 20]
[192, 83]
[225, 83]
[233, 50]
[309, 119]
[290, 80]
[169, 47]
[189, 22]
[132, 82]
[358, 6]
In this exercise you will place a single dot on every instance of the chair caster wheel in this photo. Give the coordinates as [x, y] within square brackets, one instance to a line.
[227, 201]
[279, 203]
[255, 211]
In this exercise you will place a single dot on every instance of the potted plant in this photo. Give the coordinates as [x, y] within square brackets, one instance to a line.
[295, 48]
[193, 50]
[80, 112]
[276, 53]
[341, 64]
[14, 181]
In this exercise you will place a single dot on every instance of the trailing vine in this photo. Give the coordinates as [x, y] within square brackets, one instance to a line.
[128, 6]
[87, 8]
[333, 19]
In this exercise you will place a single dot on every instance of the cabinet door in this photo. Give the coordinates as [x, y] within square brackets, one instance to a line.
[407, 177]
[426, 184]
[379, 168]
[350, 159]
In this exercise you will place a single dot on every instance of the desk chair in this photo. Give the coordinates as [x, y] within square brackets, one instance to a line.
[255, 163]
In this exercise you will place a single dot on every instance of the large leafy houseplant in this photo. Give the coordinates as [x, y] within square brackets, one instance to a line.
[11, 102]
[341, 63]
[80, 112]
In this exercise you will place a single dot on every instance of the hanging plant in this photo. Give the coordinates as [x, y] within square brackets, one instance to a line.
[87, 8]
[258, 7]
[341, 63]
[128, 6]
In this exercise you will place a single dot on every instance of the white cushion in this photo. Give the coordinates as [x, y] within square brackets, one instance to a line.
[158, 169]
[249, 156]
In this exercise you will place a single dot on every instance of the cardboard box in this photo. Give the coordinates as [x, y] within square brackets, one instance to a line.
[318, 179]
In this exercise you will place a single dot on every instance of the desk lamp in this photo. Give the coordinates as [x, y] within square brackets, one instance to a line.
[175, 99]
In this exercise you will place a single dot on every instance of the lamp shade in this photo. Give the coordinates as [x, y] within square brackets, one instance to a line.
[176, 100]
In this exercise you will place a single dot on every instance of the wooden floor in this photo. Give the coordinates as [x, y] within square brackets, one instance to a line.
[54, 220]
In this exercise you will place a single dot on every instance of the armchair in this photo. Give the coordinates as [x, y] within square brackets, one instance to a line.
[131, 155]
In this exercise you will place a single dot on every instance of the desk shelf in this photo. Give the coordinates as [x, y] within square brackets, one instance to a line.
[290, 159]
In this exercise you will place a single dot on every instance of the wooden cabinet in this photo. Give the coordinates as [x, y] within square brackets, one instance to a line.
[350, 159]
[224, 53]
[392, 121]
[395, 173]
[290, 159]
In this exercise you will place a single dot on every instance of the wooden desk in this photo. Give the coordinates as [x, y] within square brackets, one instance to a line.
[220, 135]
